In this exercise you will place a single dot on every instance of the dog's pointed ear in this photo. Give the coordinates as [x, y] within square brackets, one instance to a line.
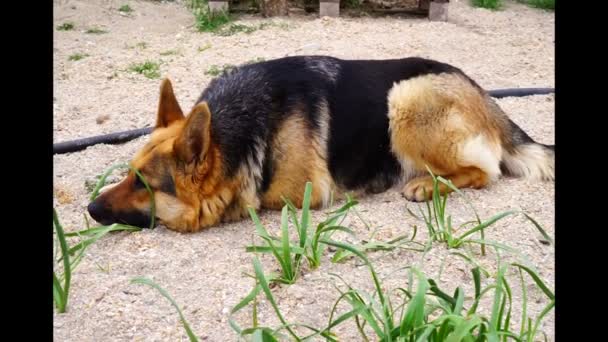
[168, 108]
[193, 142]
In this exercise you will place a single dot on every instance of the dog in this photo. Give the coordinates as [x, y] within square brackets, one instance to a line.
[260, 131]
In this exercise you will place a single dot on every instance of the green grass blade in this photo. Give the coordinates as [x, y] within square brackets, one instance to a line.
[235, 326]
[292, 211]
[251, 296]
[95, 230]
[540, 229]
[507, 321]
[425, 334]
[146, 281]
[305, 220]
[263, 335]
[494, 244]
[268, 249]
[367, 314]
[485, 224]
[524, 302]
[261, 231]
[336, 228]
[58, 294]
[387, 320]
[288, 271]
[450, 185]
[537, 280]
[102, 182]
[459, 295]
[346, 207]
[99, 232]
[259, 272]
[150, 192]
[539, 319]
[347, 247]
[463, 329]
[440, 294]
[471, 261]
[67, 270]
[328, 337]
[477, 282]
[414, 315]
[259, 227]
[498, 293]
[345, 317]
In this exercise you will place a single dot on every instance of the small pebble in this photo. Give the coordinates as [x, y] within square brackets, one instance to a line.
[102, 118]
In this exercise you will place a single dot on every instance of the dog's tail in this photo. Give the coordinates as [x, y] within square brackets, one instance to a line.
[524, 157]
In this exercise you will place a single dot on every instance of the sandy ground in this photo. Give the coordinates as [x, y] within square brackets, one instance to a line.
[204, 271]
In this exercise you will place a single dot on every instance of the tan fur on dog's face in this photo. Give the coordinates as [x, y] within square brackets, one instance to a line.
[181, 166]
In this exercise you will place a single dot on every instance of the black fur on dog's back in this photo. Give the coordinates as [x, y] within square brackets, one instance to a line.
[248, 104]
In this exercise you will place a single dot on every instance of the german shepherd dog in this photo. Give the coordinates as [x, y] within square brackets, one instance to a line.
[261, 131]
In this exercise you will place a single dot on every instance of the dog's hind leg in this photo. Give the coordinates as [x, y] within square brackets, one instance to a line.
[442, 122]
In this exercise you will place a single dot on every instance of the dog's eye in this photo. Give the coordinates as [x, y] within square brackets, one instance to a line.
[138, 183]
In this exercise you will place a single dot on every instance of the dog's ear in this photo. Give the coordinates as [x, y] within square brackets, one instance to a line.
[193, 141]
[168, 108]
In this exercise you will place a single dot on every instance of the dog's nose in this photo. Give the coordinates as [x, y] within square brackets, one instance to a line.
[97, 212]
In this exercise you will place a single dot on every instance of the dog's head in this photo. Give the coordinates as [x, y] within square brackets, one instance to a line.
[182, 168]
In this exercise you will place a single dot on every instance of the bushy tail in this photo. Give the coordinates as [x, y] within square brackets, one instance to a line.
[523, 157]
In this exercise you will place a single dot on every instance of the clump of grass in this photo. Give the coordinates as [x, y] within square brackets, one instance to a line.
[309, 243]
[353, 4]
[260, 333]
[372, 245]
[430, 314]
[233, 29]
[77, 56]
[169, 52]
[204, 47]
[489, 4]
[215, 70]
[148, 282]
[281, 248]
[439, 222]
[148, 68]
[95, 30]
[67, 26]
[125, 9]
[70, 257]
[544, 4]
[197, 4]
[211, 21]
[425, 314]
[141, 45]
[255, 60]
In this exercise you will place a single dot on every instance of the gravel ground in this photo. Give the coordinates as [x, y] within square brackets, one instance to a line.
[203, 272]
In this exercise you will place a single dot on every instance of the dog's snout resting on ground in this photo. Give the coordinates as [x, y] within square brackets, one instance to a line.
[261, 131]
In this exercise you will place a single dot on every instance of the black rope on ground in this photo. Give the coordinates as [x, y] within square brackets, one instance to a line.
[121, 137]
[519, 92]
[112, 138]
